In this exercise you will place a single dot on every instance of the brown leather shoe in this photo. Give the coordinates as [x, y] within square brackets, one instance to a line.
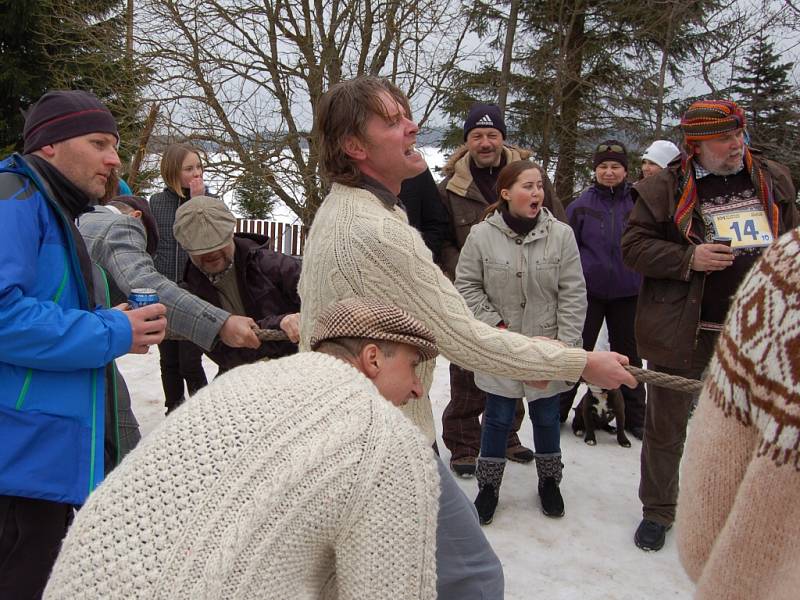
[519, 453]
[464, 466]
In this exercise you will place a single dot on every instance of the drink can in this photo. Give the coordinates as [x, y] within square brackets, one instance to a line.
[726, 241]
[140, 297]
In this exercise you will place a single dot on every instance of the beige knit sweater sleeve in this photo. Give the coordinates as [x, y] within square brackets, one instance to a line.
[738, 519]
[358, 247]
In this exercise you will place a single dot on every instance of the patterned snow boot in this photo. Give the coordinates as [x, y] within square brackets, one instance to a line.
[549, 468]
[489, 473]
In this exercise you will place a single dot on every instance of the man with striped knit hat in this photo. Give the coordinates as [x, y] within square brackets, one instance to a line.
[696, 229]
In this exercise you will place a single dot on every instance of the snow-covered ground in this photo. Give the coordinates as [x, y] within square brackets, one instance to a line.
[587, 555]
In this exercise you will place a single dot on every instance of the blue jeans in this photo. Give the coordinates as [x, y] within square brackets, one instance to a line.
[499, 414]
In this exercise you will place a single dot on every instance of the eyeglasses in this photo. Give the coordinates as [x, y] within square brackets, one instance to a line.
[610, 148]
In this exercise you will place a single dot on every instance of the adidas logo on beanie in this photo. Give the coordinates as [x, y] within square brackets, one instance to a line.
[484, 115]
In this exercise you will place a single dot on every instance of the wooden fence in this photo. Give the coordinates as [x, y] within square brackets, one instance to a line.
[285, 238]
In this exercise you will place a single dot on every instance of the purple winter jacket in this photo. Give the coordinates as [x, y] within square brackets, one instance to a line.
[598, 217]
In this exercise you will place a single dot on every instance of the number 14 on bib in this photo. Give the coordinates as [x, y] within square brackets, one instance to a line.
[747, 228]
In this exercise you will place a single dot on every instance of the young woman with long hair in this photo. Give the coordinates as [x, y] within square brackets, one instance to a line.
[182, 172]
[520, 270]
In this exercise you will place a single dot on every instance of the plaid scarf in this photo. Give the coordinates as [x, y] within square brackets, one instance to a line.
[687, 195]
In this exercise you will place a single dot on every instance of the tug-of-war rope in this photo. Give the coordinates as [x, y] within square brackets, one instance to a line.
[673, 382]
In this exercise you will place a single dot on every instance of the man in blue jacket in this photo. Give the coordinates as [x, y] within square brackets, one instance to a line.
[54, 342]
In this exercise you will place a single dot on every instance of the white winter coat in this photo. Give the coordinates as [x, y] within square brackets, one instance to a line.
[533, 283]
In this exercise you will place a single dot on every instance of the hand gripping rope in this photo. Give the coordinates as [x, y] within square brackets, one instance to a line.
[673, 382]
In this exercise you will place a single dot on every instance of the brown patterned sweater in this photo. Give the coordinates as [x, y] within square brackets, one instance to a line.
[739, 506]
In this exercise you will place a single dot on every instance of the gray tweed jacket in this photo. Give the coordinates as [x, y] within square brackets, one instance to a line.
[117, 243]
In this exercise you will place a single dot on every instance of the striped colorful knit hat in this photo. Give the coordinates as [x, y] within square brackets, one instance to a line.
[705, 120]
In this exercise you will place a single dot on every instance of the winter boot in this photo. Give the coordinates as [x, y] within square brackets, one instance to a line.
[650, 536]
[489, 473]
[549, 467]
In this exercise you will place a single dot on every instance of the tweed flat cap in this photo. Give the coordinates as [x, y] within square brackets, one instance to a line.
[373, 319]
[203, 224]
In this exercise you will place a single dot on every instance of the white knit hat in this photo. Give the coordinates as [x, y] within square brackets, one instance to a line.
[661, 152]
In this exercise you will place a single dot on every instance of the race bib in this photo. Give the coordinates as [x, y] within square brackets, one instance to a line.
[745, 228]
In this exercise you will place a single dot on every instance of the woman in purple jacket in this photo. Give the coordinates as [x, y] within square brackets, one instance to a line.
[598, 217]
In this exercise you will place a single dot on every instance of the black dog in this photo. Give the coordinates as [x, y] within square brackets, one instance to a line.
[596, 411]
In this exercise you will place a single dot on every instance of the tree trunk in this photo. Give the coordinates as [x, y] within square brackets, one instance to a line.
[570, 104]
[129, 32]
[662, 71]
[505, 70]
[141, 148]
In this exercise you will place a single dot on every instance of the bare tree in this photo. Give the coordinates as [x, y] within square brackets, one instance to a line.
[245, 76]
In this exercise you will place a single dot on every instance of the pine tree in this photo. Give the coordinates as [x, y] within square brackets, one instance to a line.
[68, 44]
[22, 78]
[583, 70]
[253, 197]
[85, 44]
[771, 104]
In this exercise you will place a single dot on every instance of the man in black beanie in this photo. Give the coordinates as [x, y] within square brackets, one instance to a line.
[467, 190]
[55, 343]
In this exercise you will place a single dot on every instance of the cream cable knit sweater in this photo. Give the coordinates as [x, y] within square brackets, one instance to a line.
[287, 479]
[738, 515]
[358, 247]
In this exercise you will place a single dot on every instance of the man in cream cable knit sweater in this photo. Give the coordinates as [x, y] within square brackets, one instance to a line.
[282, 488]
[362, 245]
[739, 505]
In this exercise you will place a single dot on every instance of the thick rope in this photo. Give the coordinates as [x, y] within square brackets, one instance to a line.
[673, 382]
[271, 335]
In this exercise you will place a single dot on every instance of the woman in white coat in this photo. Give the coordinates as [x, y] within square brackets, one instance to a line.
[520, 269]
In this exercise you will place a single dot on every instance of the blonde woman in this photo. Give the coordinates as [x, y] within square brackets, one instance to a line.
[182, 172]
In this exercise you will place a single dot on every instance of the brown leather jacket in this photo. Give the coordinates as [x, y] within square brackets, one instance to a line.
[668, 311]
[465, 204]
[267, 283]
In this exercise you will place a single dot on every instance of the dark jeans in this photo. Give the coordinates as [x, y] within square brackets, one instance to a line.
[619, 315]
[30, 538]
[499, 414]
[665, 434]
[180, 360]
[461, 429]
